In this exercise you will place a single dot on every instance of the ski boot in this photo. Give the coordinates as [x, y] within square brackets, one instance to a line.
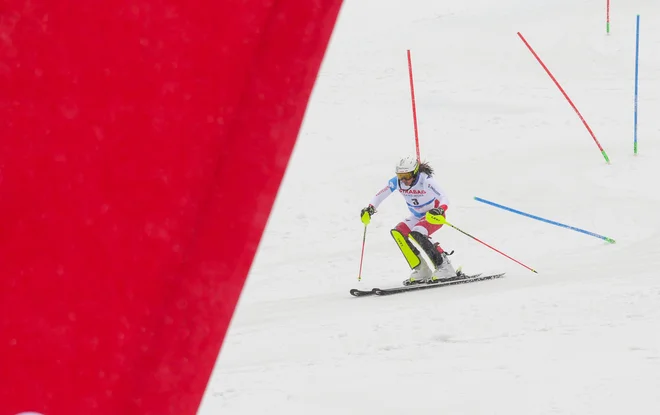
[444, 271]
[420, 274]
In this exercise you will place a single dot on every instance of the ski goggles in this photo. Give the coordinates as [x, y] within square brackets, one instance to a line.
[404, 176]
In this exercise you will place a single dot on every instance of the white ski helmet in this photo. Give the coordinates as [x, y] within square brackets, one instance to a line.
[408, 164]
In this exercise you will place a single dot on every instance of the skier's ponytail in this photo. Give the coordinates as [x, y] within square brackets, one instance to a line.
[425, 167]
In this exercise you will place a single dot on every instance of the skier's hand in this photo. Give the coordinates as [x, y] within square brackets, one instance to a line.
[367, 213]
[439, 211]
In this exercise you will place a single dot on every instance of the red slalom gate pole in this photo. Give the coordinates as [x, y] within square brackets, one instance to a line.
[566, 96]
[414, 108]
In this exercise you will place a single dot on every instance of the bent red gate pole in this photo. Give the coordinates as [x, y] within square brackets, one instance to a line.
[565, 96]
[414, 106]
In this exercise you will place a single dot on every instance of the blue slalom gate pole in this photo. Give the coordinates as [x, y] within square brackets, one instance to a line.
[478, 199]
[636, 80]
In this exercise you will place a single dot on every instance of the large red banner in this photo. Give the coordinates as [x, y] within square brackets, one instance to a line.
[142, 144]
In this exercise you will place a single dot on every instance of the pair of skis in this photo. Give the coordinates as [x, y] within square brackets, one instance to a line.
[461, 279]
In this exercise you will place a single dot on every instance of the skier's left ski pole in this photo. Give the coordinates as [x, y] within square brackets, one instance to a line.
[440, 220]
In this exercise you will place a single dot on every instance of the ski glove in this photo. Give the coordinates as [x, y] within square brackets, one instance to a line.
[439, 211]
[367, 213]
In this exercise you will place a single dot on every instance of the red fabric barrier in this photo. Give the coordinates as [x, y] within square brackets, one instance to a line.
[142, 144]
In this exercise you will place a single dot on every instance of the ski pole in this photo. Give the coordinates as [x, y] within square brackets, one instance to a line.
[365, 219]
[440, 220]
[364, 238]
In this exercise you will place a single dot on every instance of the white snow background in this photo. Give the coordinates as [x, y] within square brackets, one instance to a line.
[580, 337]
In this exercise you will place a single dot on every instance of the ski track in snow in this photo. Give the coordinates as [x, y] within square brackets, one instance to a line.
[580, 337]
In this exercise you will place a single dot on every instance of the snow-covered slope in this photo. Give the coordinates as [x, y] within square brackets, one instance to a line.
[580, 337]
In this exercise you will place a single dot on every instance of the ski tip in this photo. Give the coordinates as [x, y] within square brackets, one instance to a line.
[361, 293]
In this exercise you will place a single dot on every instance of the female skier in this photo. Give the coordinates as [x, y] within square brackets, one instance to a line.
[415, 183]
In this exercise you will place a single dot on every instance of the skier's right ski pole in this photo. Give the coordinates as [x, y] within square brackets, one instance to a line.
[366, 218]
[364, 239]
[440, 220]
